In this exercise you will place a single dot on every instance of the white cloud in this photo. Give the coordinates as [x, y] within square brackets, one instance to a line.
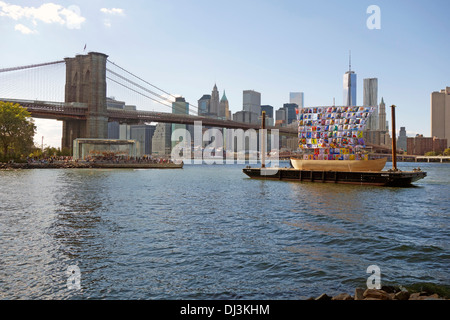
[113, 11]
[24, 29]
[48, 13]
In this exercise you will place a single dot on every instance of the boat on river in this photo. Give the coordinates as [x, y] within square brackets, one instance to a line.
[332, 149]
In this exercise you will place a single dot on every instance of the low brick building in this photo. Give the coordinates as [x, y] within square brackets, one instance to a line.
[419, 145]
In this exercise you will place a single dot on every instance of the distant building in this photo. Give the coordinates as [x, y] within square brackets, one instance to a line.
[224, 108]
[214, 104]
[246, 116]
[440, 114]
[179, 106]
[252, 101]
[382, 124]
[270, 121]
[420, 145]
[268, 109]
[402, 139]
[203, 104]
[291, 114]
[281, 119]
[297, 98]
[114, 127]
[370, 99]
[350, 88]
[161, 141]
[144, 135]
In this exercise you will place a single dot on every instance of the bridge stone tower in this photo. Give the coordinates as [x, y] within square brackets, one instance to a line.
[86, 83]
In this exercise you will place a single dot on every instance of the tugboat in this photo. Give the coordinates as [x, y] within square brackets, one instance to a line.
[333, 150]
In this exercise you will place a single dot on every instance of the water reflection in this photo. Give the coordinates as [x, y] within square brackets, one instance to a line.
[209, 232]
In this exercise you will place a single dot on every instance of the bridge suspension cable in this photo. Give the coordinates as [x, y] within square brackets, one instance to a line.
[43, 81]
[140, 93]
[30, 66]
[160, 98]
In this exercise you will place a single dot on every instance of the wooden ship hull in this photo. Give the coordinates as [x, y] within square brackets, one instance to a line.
[375, 165]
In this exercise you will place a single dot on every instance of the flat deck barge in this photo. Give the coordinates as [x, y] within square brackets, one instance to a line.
[382, 178]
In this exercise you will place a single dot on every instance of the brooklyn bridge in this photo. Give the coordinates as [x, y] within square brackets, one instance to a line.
[84, 111]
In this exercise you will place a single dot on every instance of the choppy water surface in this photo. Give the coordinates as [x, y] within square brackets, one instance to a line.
[209, 232]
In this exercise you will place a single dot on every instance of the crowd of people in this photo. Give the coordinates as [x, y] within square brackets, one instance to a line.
[103, 158]
[124, 159]
[51, 159]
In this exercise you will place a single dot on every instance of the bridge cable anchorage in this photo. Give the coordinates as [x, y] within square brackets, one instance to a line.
[195, 108]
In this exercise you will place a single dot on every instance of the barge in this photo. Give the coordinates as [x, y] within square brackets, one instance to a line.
[336, 161]
[389, 178]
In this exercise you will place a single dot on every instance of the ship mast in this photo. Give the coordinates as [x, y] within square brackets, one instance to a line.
[394, 141]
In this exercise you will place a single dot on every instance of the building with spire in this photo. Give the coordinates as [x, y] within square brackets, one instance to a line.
[350, 86]
[214, 104]
[382, 124]
[224, 108]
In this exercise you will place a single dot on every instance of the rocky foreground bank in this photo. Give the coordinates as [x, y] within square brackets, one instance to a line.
[386, 293]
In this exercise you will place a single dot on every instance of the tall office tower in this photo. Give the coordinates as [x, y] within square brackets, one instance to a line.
[370, 99]
[281, 118]
[203, 104]
[268, 109]
[440, 114]
[291, 115]
[224, 107]
[269, 114]
[297, 98]
[382, 124]
[179, 106]
[350, 86]
[402, 139]
[214, 105]
[252, 101]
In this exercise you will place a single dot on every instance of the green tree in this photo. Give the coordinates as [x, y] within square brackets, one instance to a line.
[447, 152]
[17, 130]
[431, 154]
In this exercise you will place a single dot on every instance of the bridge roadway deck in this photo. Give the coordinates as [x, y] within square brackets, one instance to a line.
[74, 110]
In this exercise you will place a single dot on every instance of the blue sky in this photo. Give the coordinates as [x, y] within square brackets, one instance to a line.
[273, 47]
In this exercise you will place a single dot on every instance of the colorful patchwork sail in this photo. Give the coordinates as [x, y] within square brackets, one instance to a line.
[332, 133]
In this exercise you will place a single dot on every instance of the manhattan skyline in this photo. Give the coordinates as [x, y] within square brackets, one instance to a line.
[271, 47]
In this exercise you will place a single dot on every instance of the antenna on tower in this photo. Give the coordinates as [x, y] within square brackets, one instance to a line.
[350, 61]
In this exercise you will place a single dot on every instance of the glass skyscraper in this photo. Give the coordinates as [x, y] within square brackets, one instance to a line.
[350, 88]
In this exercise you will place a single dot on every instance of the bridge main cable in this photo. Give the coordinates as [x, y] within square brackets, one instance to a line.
[31, 66]
[195, 110]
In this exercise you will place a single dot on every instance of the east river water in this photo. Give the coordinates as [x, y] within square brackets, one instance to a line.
[209, 232]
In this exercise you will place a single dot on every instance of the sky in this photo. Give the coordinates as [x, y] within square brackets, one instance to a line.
[273, 47]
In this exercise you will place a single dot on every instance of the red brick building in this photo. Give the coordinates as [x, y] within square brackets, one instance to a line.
[420, 145]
